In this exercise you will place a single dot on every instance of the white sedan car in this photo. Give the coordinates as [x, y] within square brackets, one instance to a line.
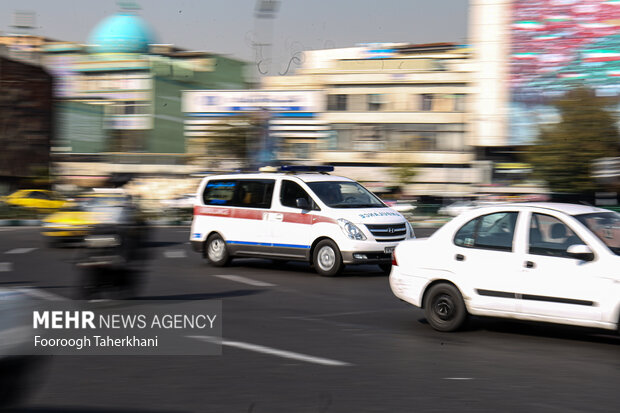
[548, 262]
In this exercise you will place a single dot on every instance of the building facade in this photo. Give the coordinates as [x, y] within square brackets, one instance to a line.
[528, 53]
[389, 107]
[117, 99]
[26, 124]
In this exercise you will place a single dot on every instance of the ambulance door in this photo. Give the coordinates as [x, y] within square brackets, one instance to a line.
[291, 225]
[249, 227]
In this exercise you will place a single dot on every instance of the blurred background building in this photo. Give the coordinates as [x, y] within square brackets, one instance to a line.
[440, 120]
[529, 53]
[26, 123]
[392, 106]
[117, 99]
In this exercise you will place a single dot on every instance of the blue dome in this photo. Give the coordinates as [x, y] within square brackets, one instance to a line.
[121, 33]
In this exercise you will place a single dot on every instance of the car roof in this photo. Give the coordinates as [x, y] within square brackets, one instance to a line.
[569, 209]
[305, 177]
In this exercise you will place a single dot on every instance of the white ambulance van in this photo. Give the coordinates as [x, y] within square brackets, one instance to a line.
[296, 213]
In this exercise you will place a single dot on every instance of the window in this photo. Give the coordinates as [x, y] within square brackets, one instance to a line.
[606, 226]
[250, 193]
[375, 101]
[291, 191]
[492, 232]
[336, 102]
[219, 192]
[38, 195]
[345, 195]
[459, 103]
[550, 237]
[254, 193]
[427, 102]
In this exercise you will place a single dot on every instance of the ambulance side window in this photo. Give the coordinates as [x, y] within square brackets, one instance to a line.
[247, 193]
[289, 193]
[219, 192]
[254, 193]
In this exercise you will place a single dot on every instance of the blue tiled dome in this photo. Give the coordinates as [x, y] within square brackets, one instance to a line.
[121, 33]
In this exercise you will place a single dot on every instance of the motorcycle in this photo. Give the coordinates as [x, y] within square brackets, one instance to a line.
[112, 263]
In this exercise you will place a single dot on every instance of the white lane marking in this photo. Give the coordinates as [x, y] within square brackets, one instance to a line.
[458, 378]
[38, 293]
[272, 351]
[315, 316]
[6, 266]
[244, 280]
[20, 250]
[175, 254]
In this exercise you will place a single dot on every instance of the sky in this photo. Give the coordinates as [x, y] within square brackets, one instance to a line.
[229, 26]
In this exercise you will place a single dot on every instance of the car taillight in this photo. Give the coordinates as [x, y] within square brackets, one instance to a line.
[394, 258]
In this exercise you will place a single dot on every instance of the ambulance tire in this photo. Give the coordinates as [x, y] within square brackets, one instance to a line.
[216, 252]
[327, 259]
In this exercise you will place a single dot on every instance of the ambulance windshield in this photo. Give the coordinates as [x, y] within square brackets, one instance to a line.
[345, 194]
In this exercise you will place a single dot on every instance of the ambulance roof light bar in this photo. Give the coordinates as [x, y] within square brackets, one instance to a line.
[307, 168]
[298, 168]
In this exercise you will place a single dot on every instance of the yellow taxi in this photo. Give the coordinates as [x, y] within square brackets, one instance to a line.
[39, 199]
[75, 220]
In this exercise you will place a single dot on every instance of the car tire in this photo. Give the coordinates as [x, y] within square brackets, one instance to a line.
[444, 307]
[386, 268]
[216, 251]
[327, 258]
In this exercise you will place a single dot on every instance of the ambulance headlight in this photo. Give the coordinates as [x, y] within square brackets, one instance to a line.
[350, 230]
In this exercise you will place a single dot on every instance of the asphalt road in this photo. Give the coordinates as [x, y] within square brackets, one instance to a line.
[384, 357]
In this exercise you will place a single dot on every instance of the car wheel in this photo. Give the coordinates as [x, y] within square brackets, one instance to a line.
[386, 268]
[327, 259]
[216, 251]
[52, 243]
[444, 307]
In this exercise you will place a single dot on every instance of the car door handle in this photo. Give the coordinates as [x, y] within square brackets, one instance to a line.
[529, 264]
[271, 216]
[459, 257]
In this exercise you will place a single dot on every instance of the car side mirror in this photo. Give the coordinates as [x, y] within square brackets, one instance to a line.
[581, 252]
[302, 203]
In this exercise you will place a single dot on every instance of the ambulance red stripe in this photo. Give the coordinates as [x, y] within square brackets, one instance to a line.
[257, 214]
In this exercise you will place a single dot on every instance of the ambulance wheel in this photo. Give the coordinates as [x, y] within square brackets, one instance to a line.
[216, 251]
[327, 259]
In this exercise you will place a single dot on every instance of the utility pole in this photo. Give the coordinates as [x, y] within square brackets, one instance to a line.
[264, 14]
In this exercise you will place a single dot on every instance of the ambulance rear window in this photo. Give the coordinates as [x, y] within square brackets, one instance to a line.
[219, 192]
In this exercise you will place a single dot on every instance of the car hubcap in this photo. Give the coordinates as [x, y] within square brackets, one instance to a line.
[444, 307]
[216, 250]
[327, 258]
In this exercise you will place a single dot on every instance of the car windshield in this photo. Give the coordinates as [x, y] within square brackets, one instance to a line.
[96, 203]
[345, 194]
[606, 226]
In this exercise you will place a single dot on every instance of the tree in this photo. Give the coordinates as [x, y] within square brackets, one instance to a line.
[563, 153]
[243, 138]
[403, 174]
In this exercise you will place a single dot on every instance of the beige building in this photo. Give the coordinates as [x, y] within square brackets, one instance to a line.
[388, 106]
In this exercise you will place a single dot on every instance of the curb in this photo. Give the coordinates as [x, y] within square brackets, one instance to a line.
[38, 222]
[20, 222]
[428, 224]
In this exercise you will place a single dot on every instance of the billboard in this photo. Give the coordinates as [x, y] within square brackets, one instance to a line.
[230, 101]
[556, 45]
